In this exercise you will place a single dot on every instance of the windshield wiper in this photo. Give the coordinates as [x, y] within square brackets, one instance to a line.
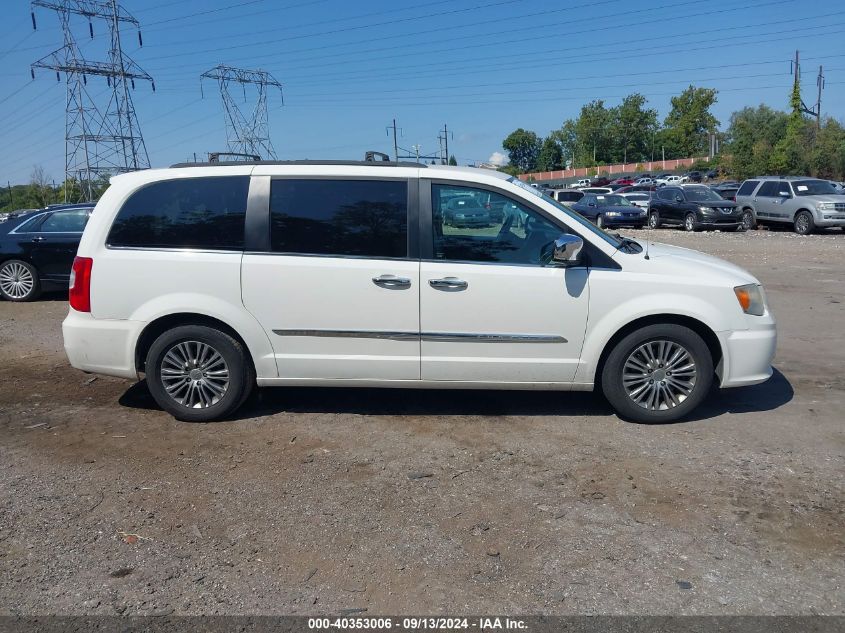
[628, 245]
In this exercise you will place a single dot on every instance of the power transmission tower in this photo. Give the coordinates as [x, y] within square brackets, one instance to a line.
[245, 134]
[816, 110]
[443, 138]
[100, 139]
[414, 152]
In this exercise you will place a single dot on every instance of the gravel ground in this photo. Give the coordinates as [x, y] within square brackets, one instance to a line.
[321, 500]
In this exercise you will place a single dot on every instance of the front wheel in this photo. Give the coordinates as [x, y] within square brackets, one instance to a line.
[198, 374]
[654, 220]
[657, 374]
[19, 281]
[600, 221]
[690, 222]
[804, 224]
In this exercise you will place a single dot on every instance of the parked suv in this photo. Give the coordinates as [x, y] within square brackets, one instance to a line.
[693, 207]
[212, 279]
[804, 203]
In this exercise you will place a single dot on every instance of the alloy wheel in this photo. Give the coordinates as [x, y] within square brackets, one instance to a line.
[802, 224]
[659, 375]
[689, 223]
[748, 220]
[194, 374]
[16, 280]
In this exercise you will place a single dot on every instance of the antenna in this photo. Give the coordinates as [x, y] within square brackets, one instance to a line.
[648, 225]
[245, 134]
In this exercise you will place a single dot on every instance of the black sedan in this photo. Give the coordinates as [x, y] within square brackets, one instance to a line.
[37, 250]
[694, 207]
[610, 210]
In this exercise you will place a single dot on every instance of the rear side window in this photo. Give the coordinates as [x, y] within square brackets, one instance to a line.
[70, 221]
[361, 218]
[747, 188]
[206, 213]
[770, 189]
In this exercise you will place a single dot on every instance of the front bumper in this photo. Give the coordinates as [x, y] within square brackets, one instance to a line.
[748, 354]
[637, 221]
[826, 219]
[101, 346]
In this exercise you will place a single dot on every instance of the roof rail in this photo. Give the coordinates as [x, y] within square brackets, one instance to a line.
[242, 163]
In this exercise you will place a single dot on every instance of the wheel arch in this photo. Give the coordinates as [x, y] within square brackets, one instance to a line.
[803, 209]
[699, 327]
[159, 326]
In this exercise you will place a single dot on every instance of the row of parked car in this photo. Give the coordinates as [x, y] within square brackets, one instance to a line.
[805, 204]
[663, 179]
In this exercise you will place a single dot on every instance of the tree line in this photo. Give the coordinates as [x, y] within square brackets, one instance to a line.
[758, 140]
[41, 191]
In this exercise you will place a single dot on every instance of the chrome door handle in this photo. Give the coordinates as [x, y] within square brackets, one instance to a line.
[392, 281]
[448, 283]
[38, 238]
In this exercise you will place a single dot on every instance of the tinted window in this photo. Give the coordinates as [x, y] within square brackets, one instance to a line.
[569, 196]
[339, 217]
[29, 225]
[667, 194]
[186, 213]
[747, 188]
[70, 221]
[770, 189]
[476, 225]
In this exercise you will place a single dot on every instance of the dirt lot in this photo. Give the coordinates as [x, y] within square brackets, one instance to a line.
[316, 501]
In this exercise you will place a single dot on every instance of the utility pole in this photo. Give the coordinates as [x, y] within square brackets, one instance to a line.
[11, 200]
[443, 138]
[245, 134]
[816, 110]
[104, 139]
[395, 140]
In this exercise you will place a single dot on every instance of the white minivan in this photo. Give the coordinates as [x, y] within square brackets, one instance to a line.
[210, 279]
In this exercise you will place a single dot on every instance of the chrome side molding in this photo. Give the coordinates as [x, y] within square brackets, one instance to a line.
[459, 337]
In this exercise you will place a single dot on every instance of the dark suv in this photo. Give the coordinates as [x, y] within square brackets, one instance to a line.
[694, 207]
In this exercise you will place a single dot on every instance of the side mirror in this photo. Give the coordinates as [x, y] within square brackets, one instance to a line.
[678, 199]
[591, 204]
[567, 250]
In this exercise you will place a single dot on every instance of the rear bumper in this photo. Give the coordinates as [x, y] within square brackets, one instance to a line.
[101, 346]
[748, 354]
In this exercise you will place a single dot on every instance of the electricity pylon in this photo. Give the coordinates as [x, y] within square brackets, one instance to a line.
[99, 141]
[245, 134]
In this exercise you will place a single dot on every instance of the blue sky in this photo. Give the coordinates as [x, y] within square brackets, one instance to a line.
[484, 67]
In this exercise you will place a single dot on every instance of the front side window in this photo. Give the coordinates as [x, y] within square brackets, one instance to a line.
[361, 218]
[770, 189]
[477, 225]
[812, 188]
[667, 194]
[70, 221]
[205, 213]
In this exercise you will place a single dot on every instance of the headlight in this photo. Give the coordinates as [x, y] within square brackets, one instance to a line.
[706, 209]
[826, 206]
[612, 214]
[751, 299]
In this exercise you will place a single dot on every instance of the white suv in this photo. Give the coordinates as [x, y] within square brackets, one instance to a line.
[211, 279]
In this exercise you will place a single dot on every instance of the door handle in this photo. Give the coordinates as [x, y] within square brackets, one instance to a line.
[392, 281]
[38, 238]
[448, 283]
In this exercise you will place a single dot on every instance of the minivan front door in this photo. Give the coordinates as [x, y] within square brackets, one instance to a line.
[492, 308]
[337, 291]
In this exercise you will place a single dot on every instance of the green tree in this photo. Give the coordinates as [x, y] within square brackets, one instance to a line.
[790, 153]
[689, 122]
[592, 130]
[522, 147]
[452, 160]
[632, 126]
[827, 158]
[751, 136]
[550, 156]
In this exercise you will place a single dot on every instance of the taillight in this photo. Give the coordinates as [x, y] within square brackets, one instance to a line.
[80, 284]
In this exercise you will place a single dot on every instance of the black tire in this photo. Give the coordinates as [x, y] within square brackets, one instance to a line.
[690, 222]
[748, 220]
[804, 223]
[241, 373]
[654, 219]
[19, 281]
[613, 373]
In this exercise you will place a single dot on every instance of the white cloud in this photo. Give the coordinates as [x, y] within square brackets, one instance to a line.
[497, 158]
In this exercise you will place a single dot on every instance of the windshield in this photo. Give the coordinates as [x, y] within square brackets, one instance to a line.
[586, 224]
[813, 188]
[701, 194]
[613, 201]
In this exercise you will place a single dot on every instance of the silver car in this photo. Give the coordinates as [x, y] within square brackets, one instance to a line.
[804, 203]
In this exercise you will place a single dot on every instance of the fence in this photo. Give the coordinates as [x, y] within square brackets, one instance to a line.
[588, 172]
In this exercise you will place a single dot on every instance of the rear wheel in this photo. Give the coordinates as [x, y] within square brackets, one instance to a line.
[654, 220]
[657, 374]
[19, 281]
[198, 374]
[748, 220]
[804, 224]
[690, 222]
